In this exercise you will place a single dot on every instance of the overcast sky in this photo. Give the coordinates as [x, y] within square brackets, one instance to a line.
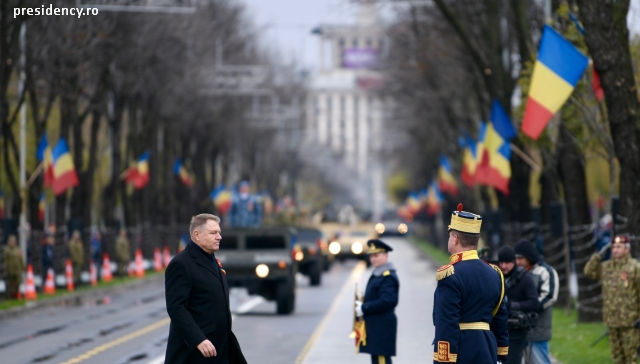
[286, 24]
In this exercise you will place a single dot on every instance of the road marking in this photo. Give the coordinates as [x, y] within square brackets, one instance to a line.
[118, 341]
[355, 276]
[247, 306]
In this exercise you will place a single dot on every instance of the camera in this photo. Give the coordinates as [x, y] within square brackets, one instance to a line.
[519, 320]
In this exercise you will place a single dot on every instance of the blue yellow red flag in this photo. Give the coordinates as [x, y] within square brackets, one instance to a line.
[555, 74]
[469, 160]
[64, 171]
[41, 207]
[446, 180]
[221, 198]
[180, 170]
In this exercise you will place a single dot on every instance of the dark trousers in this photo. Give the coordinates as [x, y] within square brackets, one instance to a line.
[380, 359]
[517, 344]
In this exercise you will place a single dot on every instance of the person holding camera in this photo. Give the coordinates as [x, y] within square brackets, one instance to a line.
[521, 299]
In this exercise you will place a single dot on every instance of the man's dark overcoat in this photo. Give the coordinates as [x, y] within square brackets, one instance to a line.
[197, 297]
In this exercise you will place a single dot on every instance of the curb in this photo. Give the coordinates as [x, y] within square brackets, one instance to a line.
[76, 298]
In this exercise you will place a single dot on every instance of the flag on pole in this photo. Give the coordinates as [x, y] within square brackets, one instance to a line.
[494, 168]
[45, 155]
[221, 198]
[469, 160]
[182, 244]
[446, 181]
[555, 74]
[64, 171]
[414, 203]
[180, 170]
[434, 199]
[138, 173]
[596, 85]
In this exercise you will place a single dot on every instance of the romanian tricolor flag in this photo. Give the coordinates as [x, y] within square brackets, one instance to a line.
[181, 171]
[434, 199]
[138, 173]
[494, 150]
[446, 181]
[41, 207]
[404, 213]
[469, 161]
[64, 172]
[1, 204]
[221, 198]
[45, 155]
[414, 203]
[556, 72]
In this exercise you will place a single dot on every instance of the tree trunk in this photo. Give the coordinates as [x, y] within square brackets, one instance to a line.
[571, 168]
[607, 37]
[91, 167]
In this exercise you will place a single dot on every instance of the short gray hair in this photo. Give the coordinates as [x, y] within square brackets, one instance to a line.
[199, 221]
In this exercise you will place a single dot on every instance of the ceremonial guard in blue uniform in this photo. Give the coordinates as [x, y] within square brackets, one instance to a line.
[468, 311]
[377, 308]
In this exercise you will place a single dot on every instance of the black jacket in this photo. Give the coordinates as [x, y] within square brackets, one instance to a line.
[521, 291]
[197, 297]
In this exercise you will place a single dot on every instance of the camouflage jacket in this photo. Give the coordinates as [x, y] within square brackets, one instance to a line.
[123, 249]
[14, 265]
[76, 251]
[620, 289]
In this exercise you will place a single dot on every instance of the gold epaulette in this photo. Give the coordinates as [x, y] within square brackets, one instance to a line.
[386, 273]
[444, 272]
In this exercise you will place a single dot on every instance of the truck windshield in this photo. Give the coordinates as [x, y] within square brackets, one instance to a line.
[265, 242]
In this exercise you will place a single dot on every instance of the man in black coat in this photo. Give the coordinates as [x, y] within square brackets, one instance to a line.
[197, 297]
[380, 301]
[521, 298]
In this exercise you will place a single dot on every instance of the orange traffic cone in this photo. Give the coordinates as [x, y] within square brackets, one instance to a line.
[157, 260]
[30, 286]
[106, 269]
[69, 273]
[49, 284]
[166, 256]
[93, 274]
[139, 267]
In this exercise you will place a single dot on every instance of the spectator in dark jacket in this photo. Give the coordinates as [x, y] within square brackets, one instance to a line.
[521, 296]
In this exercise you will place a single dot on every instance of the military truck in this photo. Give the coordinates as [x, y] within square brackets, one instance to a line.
[309, 254]
[260, 259]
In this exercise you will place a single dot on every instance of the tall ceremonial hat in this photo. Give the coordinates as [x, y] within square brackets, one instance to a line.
[465, 222]
[378, 246]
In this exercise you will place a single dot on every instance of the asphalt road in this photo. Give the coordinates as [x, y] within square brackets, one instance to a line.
[131, 326]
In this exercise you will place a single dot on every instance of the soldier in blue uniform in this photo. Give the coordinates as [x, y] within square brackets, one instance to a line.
[380, 301]
[468, 310]
[246, 210]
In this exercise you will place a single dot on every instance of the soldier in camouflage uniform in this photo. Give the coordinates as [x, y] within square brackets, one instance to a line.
[14, 265]
[620, 278]
[76, 253]
[123, 251]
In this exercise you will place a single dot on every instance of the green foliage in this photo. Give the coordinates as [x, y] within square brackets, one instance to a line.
[571, 340]
[398, 186]
[431, 250]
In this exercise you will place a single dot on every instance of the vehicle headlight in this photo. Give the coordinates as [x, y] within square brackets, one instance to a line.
[357, 247]
[379, 228]
[334, 247]
[262, 270]
[299, 256]
[403, 228]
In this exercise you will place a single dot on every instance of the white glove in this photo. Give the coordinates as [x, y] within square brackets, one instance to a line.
[359, 312]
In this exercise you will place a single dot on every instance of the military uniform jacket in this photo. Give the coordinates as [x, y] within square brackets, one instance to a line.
[468, 312]
[380, 301]
[620, 289]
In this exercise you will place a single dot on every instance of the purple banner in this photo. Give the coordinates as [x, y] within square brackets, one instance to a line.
[360, 58]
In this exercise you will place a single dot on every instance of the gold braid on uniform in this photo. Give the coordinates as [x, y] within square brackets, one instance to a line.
[497, 269]
[444, 272]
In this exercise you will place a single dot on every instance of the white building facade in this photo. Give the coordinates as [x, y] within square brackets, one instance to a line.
[345, 116]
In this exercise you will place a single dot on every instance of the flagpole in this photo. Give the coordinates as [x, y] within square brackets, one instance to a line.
[526, 158]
